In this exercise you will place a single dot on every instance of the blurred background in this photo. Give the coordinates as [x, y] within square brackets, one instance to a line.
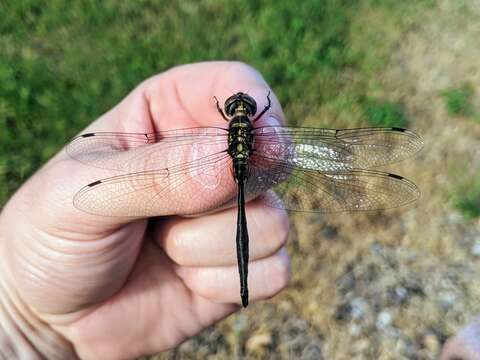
[384, 285]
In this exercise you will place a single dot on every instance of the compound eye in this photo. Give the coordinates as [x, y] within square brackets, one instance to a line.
[250, 104]
[230, 107]
[231, 104]
[251, 108]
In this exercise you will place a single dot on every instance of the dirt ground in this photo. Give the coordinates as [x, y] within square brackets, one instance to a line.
[390, 285]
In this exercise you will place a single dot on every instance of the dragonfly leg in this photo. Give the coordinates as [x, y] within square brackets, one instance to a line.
[220, 109]
[265, 109]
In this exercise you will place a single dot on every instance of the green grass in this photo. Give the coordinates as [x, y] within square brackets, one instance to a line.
[467, 198]
[384, 113]
[63, 63]
[458, 101]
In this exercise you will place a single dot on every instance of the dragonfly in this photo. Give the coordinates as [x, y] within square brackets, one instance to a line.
[308, 169]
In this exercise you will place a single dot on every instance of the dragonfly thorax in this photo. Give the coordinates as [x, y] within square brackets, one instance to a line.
[240, 143]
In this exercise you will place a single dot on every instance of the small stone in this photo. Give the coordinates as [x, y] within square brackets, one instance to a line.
[258, 342]
[475, 250]
[359, 308]
[401, 293]
[384, 319]
[398, 295]
[376, 249]
[431, 343]
[354, 329]
[447, 299]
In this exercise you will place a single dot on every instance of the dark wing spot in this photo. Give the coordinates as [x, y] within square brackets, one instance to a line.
[399, 129]
[94, 183]
[88, 135]
[396, 176]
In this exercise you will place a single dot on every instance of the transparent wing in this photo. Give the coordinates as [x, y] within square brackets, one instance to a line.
[331, 150]
[144, 151]
[317, 170]
[192, 187]
[315, 191]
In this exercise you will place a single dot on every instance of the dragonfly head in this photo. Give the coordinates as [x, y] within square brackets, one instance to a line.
[240, 102]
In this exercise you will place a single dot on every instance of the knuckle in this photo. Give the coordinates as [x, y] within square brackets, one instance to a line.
[202, 288]
[175, 248]
[279, 221]
[196, 281]
[209, 283]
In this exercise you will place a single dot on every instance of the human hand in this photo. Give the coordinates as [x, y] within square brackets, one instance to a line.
[79, 285]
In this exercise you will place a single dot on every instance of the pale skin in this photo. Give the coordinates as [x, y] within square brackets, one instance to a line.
[465, 345]
[75, 285]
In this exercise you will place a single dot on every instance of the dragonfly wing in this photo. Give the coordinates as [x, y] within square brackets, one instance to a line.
[314, 191]
[196, 186]
[264, 174]
[145, 151]
[331, 150]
